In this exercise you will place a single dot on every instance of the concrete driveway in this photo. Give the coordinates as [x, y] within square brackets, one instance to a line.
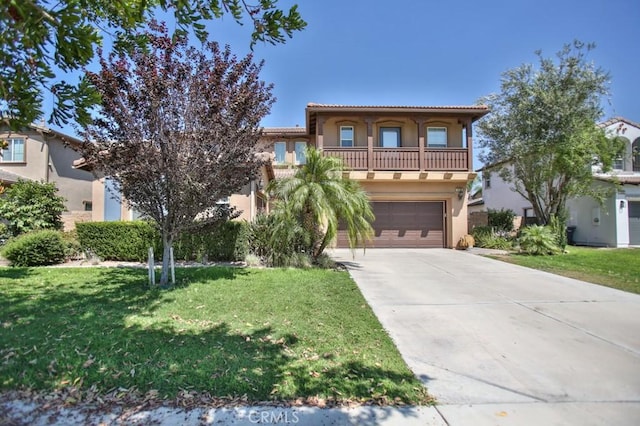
[501, 344]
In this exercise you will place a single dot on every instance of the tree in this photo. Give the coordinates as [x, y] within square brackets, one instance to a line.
[178, 130]
[28, 205]
[542, 135]
[40, 37]
[320, 197]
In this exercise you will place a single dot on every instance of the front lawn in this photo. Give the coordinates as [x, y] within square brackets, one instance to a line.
[258, 335]
[617, 268]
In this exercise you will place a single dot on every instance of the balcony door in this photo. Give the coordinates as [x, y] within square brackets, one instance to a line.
[390, 137]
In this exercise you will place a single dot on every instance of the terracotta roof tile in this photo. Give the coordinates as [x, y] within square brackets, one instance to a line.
[443, 107]
[633, 179]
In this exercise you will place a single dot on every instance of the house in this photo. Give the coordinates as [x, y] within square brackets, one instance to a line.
[615, 223]
[413, 161]
[41, 154]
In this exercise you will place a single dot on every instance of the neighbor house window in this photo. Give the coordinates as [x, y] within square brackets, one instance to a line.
[14, 152]
[224, 200]
[88, 205]
[437, 137]
[487, 180]
[280, 149]
[618, 163]
[301, 152]
[390, 137]
[346, 136]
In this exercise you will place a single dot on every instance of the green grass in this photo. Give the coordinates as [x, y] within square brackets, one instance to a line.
[617, 268]
[266, 334]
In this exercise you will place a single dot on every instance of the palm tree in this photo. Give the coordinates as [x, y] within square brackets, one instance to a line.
[320, 197]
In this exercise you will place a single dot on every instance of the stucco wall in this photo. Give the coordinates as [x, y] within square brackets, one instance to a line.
[499, 195]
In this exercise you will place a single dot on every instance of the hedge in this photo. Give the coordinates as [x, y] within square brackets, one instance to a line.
[123, 241]
[35, 248]
[130, 241]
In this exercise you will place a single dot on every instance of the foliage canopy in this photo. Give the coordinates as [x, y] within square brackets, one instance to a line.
[542, 136]
[29, 205]
[40, 39]
[178, 130]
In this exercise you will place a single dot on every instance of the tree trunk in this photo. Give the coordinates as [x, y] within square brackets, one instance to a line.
[167, 242]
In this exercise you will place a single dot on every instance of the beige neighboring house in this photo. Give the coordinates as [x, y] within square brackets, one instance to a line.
[41, 154]
[413, 161]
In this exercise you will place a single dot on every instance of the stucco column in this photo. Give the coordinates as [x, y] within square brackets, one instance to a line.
[369, 121]
[320, 133]
[421, 143]
[469, 127]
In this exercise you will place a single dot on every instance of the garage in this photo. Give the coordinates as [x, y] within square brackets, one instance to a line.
[405, 224]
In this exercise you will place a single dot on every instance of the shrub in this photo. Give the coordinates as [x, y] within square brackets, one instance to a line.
[226, 241]
[538, 240]
[279, 240]
[36, 248]
[501, 220]
[558, 225]
[28, 206]
[4, 233]
[486, 237]
[72, 248]
[124, 241]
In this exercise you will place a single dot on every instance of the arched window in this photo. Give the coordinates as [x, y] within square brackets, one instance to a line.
[635, 152]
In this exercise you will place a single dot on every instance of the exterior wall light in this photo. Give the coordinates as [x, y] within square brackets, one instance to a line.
[460, 192]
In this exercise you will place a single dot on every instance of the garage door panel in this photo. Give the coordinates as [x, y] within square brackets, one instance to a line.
[405, 224]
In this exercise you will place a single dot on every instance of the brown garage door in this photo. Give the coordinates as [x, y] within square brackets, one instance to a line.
[405, 224]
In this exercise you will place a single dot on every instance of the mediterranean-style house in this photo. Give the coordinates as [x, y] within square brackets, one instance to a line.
[413, 161]
[41, 154]
[615, 222]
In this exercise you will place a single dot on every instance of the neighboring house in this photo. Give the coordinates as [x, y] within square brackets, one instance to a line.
[41, 154]
[615, 223]
[414, 162]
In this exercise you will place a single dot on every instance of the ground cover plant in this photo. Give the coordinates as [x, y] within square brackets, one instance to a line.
[617, 268]
[255, 334]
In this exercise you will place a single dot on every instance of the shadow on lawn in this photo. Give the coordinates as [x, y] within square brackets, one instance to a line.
[82, 335]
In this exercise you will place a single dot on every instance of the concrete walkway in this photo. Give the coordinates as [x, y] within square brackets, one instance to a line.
[501, 344]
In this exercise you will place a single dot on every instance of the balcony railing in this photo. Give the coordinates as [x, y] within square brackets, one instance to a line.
[402, 159]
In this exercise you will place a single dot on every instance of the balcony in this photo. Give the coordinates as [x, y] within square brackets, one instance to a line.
[402, 159]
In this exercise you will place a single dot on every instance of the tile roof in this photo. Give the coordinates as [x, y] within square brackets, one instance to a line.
[615, 120]
[400, 107]
[6, 176]
[633, 179]
[284, 130]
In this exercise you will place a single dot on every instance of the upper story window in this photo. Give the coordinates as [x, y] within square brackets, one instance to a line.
[635, 151]
[280, 149]
[301, 152]
[347, 136]
[390, 137]
[487, 180]
[437, 137]
[14, 152]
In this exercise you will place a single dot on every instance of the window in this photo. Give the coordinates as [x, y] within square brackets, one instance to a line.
[280, 149]
[346, 136]
[88, 205]
[301, 152]
[487, 181]
[222, 201]
[390, 137]
[618, 163]
[14, 152]
[437, 137]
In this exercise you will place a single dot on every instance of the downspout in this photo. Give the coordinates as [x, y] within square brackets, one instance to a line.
[252, 200]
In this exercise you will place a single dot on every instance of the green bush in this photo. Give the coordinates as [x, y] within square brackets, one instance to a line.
[130, 241]
[538, 240]
[124, 241]
[28, 206]
[501, 220]
[486, 237]
[279, 240]
[226, 241]
[35, 249]
[558, 225]
[72, 248]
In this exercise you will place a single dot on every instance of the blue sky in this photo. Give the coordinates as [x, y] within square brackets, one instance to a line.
[428, 52]
[435, 52]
